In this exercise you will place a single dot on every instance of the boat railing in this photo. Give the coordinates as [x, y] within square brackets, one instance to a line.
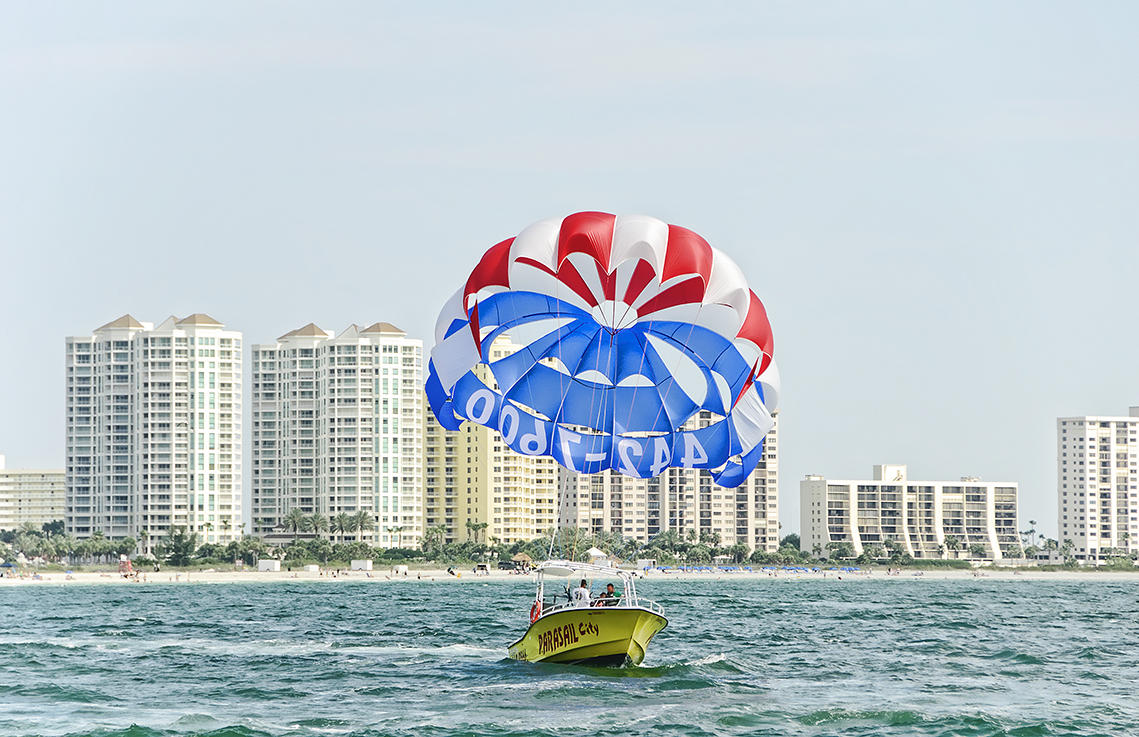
[549, 606]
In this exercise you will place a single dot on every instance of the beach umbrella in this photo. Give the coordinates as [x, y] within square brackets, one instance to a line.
[521, 558]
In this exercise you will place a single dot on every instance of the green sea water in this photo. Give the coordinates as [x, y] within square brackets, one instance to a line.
[757, 657]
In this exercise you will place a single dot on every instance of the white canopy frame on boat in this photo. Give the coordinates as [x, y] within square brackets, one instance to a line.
[588, 571]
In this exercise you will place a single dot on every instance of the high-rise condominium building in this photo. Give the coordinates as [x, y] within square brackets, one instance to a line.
[30, 496]
[929, 519]
[678, 500]
[1097, 480]
[154, 429]
[473, 479]
[337, 428]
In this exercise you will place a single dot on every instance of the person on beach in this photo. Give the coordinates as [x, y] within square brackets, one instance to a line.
[581, 595]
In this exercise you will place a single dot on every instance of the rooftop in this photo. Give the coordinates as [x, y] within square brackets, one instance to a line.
[199, 318]
[308, 331]
[126, 321]
[383, 327]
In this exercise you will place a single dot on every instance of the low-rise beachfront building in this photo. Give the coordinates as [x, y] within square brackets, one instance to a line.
[337, 429]
[968, 518]
[30, 496]
[678, 500]
[154, 430]
[477, 488]
[1097, 480]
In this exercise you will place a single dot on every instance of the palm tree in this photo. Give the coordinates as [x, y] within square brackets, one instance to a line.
[953, 543]
[296, 521]
[362, 522]
[1030, 532]
[318, 523]
[432, 542]
[145, 536]
[398, 531]
[344, 523]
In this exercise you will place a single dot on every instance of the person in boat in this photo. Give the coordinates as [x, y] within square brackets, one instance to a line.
[608, 597]
[581, 596]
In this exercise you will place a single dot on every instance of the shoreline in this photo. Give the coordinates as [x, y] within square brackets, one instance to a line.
[441, 576]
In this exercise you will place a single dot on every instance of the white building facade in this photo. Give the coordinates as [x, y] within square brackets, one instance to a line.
[678, 500]
[928, 519]
[30, 496]
[338, 428]
[154, 431]
[1097, 481]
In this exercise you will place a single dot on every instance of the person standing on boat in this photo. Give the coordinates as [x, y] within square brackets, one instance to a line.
[580, 595]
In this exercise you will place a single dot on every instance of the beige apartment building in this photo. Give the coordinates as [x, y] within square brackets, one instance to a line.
[929, 519]
[30, 496]
[471, 476]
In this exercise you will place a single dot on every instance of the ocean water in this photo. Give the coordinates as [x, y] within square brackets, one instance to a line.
[757, 657]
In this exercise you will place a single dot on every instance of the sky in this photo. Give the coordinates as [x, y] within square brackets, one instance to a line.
[935, 201]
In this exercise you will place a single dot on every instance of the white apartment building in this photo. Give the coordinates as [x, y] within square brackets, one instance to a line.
[30, 496]
[1098, 484]
[930, 519]
[474, 478]
[679, 500]
[154, 429]
[337, 428]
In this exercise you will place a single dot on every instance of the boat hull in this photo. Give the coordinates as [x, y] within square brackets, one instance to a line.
[595, 635]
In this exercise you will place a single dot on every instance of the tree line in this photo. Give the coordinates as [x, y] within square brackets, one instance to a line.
[331, 543]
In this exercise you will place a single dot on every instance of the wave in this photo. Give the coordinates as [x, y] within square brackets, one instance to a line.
[1013, 655]
[249, 648]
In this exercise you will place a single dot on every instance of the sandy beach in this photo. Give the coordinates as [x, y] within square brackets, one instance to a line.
[56, 578]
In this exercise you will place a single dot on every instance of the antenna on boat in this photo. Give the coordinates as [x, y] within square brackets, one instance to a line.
[564, 477]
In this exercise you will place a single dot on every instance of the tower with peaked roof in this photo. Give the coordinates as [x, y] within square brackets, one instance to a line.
[154, 430]
[336, 430]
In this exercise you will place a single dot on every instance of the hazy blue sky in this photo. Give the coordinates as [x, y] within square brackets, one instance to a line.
[936, 201]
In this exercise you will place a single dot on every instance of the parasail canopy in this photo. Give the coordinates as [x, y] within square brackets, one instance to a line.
[610, 342]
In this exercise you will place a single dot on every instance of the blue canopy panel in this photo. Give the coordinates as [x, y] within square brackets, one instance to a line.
[708, 447]
[639, 409]
[440, 403]
[736, 472]
[541, 388]
[582, 452]
[516, 308]
[589, 405]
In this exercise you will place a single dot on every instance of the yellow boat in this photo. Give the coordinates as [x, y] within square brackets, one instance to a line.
[601, 631]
